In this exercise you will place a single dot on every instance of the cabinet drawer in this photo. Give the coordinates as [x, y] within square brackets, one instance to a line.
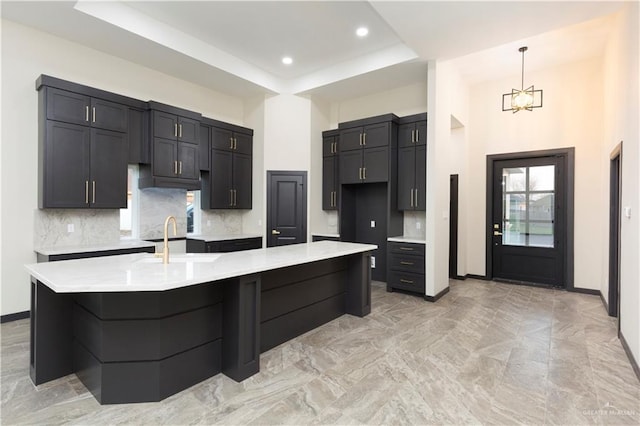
[406, 263]
[234, 245]
[407, 248]
[406, 281]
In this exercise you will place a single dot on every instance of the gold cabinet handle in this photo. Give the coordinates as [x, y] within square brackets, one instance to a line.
[360, 139]
[175, 167]
[412, 197]
[86, 190]
[175, 130]
[235, 143]
[360, 173]
[235, 197]
[413, 136]
[93, 114]
[402, 280]
[364, 139]
[364, 173]
[416, 199]
[86, 113]
[275, 232]
[93, 192]
[180, 131]
[406, 263]
[417, 135]
[230, 143]
[406, 248]
[180, 167]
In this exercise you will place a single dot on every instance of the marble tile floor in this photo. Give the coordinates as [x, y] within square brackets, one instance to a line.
[486, 353]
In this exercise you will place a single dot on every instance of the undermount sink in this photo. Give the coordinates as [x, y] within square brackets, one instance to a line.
[182, 258]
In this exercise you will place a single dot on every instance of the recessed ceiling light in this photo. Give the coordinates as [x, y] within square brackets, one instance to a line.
[287, 60]
[362, 32]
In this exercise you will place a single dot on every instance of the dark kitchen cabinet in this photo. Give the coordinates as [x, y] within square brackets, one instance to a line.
[205, 245]
[175, 148]
[330, 176]
[365, 151]
[406, 267]
[228, 185]
[70, 107]
[204, 146]
[412, 163]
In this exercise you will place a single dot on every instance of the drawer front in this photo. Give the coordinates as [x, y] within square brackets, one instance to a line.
[234, 245]
[406, 263]
[406, 248]
[406, 281]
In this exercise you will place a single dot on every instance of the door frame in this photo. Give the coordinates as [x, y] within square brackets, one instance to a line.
[615, 191]
[303, 174]
[453, 226]
[567, 155]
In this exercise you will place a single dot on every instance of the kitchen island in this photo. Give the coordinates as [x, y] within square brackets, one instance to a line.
[135, 330]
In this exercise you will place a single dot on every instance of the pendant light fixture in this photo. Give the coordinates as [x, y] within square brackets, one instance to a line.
[522, 99]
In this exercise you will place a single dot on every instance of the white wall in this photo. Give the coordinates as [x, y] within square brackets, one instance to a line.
[570, 117]
[621, 100]
[27, 53]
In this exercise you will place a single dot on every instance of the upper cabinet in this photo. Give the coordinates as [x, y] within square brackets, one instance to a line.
[83, 145]
[175, 148]
[228, 185]
[365, 149]
[330, 178]
[412, 162]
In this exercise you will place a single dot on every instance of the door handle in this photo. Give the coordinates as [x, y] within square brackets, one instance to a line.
[496, 233]
[274, 232]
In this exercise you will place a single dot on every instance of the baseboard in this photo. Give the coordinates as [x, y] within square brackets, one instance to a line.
[459, 277]
[437, 296]
[477, 277]
[585, 291]
[632, 360]
[14, 317]
[604, 302]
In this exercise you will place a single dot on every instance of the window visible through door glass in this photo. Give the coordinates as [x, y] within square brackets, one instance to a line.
[528, 206]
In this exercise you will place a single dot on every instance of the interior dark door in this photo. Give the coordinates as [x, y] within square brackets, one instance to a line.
[614, 234]
[286, 208]
[528, 220]
[453, 226]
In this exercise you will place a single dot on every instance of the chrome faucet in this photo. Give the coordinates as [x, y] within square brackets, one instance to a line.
[165, 248]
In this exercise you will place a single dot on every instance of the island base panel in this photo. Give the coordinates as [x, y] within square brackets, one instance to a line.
[130, 382]
[359, 285]
[51, 334]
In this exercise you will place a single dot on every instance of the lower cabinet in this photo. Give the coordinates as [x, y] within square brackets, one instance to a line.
[223, 246]
[406, 267]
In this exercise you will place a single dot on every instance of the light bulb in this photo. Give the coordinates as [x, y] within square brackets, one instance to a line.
[522, 100]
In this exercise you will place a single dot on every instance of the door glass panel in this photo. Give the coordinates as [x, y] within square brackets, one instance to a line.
[528, 206]
[541, 178]
[514, 179]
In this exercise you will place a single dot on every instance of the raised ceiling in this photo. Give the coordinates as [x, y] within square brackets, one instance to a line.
[236, 47]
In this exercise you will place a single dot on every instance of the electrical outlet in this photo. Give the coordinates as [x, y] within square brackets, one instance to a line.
[418, 225]
[373, 262]
[259, 222]
[373, 223]
[70, 228]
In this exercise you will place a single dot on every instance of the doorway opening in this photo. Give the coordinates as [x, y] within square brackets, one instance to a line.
[453, 227]
[530, 217]
[614, 232]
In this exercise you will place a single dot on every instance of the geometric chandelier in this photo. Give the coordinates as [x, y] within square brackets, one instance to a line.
[522, 99]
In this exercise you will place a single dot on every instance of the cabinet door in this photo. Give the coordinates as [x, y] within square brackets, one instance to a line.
[376, 135]
[329, 201]
[221, 179]
[67, 106]
[421, 178]
[243, 143]
[350, 166]
[221, 139]
[205, 133]
[138, 128]
[376, 164]
[66, 166]
[421, 133]
[109, 115]
[164, 125]
[242, 175]
[351, 139]
[329, 146]
[108, 186]
[165, 157]
[188, 130]
[406, 135]
[406, 177]
[188, 164]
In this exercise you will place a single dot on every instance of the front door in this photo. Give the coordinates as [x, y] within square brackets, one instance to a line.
[528, 228]
[286, 208]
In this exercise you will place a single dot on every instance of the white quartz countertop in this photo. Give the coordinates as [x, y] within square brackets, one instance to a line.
[144, 272]
[119, 245]
[221, 237]
[402, 239]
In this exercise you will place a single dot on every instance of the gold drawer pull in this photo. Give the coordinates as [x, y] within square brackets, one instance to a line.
[406, 263]
[406, 248]
[406, 281]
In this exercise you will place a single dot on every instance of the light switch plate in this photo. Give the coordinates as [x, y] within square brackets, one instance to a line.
[418, 225]
[373, 223]
[373, 262]
[70, 228]
[627, 212]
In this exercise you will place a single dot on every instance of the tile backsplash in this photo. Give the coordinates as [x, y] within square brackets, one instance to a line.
[155, 204]
[89, 227]
[411, 222]
[221, 222]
